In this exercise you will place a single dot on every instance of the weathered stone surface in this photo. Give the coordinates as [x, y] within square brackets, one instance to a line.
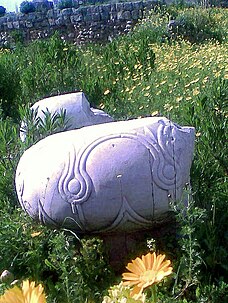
[51, 22]
[119, 6]
[96, 17]
[29, 24]
[105, 8]
[135, 14]
[105, 15]
[112, 177]
[78, 111]
[76, 18]
[67, 11]
[51, 13]
[47, 22]
[16, 24]
[113, 16]
[137, 5]
[128, 6]
[113, 8]
[10, 25]
[59, 21]
[6, 277]
[124, 15]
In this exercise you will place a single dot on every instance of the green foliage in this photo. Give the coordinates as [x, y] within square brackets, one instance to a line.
[10, 148]
[190, 218]
[2, 10]
[197, 25]
[9, 86]
[213, 293]
[120, 293]
[36, 127]
[210, 181]
[47, 68]
[142, 73]
[193, 24]
[20, 253]
[27, 7]
[90, 273]
[17, 36]
[71, 270]
[117, 59]
[155, 22]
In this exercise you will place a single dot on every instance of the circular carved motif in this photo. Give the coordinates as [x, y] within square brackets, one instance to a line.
[74, 186]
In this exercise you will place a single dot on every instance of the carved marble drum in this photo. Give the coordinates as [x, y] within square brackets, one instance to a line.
[112, 177]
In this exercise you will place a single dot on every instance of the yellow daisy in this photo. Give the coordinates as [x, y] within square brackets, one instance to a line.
[27, 294]
[146, 271]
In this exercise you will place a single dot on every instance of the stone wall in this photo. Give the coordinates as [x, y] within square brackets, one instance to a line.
[82, 24]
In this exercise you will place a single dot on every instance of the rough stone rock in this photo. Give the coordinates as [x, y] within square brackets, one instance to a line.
[114, 177]
[125, 15]
[135, 14]
[6, 276]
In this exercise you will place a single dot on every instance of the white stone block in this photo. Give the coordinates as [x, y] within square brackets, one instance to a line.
[78, 111]
[112, 177]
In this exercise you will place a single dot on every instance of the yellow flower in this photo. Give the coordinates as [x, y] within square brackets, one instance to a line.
[163, 82]
[35, 234]
[196, 91]
[155, 113]
[148, 270]
[205, 79]
[27, 294]
[106, 92]
[178, 99]
[120, 293]
[194, 81]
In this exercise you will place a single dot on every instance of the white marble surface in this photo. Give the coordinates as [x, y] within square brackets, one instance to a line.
[118, 176]
[78, 111]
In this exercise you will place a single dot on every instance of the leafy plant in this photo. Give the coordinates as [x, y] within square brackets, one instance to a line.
[198, 25]
[27, 7]
[2, 10]
[56, 65]
[84, 272]
[189, 218]
[210, 181]
[9, 87]
[36, 126]
[10, 148]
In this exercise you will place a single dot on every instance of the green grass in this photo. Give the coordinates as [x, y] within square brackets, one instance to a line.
[148, 72]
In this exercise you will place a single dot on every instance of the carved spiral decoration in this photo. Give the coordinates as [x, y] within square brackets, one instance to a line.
[75, 185]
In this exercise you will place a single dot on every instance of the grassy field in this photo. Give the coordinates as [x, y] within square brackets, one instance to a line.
[182, 75]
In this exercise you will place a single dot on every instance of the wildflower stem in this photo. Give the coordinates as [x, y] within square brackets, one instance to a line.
[154, 293]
